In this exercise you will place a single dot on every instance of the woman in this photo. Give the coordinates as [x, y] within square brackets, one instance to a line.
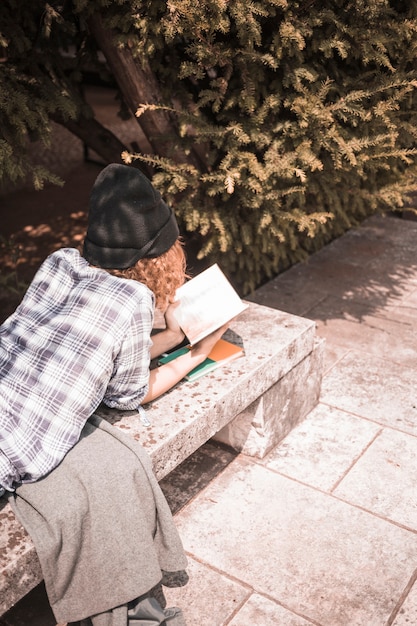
[82, 336]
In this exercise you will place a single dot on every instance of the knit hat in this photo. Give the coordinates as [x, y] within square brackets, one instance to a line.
[127, 219]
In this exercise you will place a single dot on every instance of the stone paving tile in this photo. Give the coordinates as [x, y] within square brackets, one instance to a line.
[407, 615]
[209, 598]
[307, 291]
[332, 354]
[381, 237]
[360, 246]
[322, 448]
[319, 557]
[375, 265]
[306, 284]
[386, 333]
[260, 611]
[375, 389]
[287, 296]
[384, 480]
[400, 271]
[410, 300]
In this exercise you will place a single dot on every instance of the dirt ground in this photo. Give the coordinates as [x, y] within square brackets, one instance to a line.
[34, 224]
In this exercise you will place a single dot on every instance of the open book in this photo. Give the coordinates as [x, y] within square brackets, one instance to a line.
[223, 352]
[207, 301]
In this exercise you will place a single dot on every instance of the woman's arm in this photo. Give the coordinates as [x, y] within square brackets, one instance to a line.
[168, 338]
[162, 378]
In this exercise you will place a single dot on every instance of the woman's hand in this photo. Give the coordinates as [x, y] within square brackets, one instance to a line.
[171, 321]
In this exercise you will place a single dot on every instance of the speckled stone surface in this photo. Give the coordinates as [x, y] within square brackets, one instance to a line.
[19, 566]
[265, 422]
[183, 419]
[407, 614]
[323, 559]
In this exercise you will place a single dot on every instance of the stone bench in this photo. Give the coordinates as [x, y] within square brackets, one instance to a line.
[249, 404]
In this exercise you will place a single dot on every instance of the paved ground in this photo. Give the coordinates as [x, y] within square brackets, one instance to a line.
[324, 529]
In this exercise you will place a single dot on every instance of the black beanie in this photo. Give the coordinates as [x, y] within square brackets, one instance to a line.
[127, 219]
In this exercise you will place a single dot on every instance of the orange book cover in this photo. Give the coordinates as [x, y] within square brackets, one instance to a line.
[224, 350]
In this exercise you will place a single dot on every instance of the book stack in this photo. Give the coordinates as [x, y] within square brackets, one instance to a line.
[223, 352]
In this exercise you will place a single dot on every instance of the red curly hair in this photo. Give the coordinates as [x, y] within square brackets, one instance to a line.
[162, 274]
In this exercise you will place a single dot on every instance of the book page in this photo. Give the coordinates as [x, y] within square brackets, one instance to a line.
[206, 302]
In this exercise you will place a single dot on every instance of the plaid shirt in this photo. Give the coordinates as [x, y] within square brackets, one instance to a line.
[79, 337]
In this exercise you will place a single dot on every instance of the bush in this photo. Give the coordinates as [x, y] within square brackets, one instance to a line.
[294, 119]
[304, 112]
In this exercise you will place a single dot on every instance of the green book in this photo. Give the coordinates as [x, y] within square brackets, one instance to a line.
[223, 352]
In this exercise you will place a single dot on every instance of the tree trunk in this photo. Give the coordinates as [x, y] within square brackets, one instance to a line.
[139, 86]
[100, 139]
[95, 136]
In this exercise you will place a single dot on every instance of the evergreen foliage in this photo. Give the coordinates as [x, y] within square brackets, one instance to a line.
[304, 113]
[42, 49]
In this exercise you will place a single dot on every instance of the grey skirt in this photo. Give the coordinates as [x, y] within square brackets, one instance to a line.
[101, 526]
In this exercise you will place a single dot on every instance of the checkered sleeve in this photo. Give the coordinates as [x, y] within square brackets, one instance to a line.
[130, 379]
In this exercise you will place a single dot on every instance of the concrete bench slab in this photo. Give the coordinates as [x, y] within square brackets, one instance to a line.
[250, 404]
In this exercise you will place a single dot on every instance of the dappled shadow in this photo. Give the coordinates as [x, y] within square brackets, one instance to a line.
[364, 271]
[361, 289]
[373, 266]
[36, 223]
